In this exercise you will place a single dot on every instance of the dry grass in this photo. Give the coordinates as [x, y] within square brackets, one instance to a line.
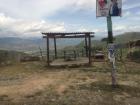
[33, 84]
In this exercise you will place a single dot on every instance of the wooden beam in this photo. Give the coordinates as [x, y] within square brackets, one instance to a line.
[78, 36]
[86, 46]
[55, 48]
[67, 33]
[89, 49]
[48, 52]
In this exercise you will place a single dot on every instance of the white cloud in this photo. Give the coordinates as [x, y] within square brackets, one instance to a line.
[120, 27]
[87, 29]
[31, 8]
[127, 14]
[138, 13]
[28, 17]
[85, 4]
[40, 8]
[126, 28]
[19, 27]
[127, 6]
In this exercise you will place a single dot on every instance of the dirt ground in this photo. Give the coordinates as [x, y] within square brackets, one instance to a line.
[34, 84]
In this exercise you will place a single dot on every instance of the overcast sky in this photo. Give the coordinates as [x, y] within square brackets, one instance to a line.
[28, 18]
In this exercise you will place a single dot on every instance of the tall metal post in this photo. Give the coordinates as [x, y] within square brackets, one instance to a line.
[109, 26]
[110, 41]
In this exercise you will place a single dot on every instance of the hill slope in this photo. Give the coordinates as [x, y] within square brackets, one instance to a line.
[20, 44]
[123, 38]
[32, 44]
[126, 37]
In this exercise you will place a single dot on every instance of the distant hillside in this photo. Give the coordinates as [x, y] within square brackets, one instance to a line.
[32, 44]
[126, 37]
[123, 38]
[20, 44]
[94, 43]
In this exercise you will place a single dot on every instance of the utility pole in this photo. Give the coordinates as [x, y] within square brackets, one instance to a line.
[110, 42]
[109, 8]
[109, 26]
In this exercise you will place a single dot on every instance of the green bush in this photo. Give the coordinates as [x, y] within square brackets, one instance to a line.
[134, 55]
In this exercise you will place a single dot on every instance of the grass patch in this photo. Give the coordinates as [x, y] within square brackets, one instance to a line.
[71, 86]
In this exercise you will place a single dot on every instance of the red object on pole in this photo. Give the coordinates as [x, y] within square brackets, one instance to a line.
[102, 3]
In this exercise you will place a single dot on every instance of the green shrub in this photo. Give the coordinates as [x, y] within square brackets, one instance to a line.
[134, 55]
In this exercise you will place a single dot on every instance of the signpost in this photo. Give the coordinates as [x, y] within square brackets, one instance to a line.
[109, 8]
[105, 8]
[111, 56]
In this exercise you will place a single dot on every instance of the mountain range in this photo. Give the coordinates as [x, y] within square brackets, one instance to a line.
[33, 44]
